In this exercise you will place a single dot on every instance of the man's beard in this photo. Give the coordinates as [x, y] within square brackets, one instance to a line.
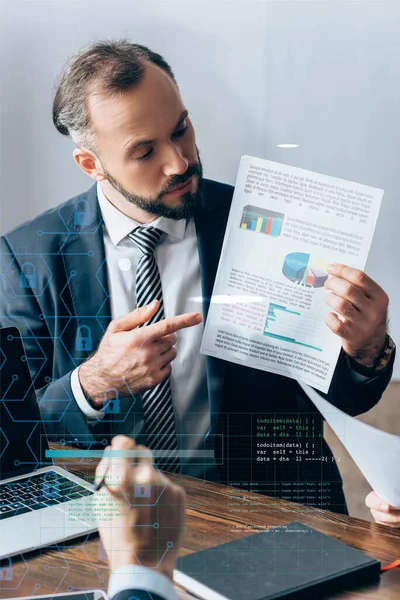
[189, 201]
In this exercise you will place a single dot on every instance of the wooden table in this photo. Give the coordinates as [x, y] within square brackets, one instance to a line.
[215, 514]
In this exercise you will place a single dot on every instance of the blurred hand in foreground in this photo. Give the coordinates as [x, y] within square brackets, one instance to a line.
[140, 513]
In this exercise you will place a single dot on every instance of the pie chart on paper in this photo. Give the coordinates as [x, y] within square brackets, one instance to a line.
[305, 269]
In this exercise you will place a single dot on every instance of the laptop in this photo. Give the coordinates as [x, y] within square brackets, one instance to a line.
[40, 504]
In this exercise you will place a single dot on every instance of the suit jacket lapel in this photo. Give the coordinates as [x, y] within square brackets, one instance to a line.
[84, 260]
[210, 224]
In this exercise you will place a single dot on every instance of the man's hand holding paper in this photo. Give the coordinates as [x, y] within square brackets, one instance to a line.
[304, 233]
[363, 304]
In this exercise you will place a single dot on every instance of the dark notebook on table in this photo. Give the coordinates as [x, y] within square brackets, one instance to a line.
[290, 561]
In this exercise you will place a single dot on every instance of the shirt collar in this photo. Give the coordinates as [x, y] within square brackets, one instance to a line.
[119, 225]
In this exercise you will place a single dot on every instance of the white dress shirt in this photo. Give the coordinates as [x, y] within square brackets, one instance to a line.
[177, 258]
[141, 578]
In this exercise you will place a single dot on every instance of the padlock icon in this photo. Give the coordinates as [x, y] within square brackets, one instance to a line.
[50, 488]
[83, 339]
[81, 213]
[142, 490]
[111, 401]
[6, 572]
[28, 278]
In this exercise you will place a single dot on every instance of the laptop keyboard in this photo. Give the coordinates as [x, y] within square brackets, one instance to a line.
[38, 491]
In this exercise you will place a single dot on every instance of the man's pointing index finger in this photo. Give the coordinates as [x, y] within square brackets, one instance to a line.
[170, 325]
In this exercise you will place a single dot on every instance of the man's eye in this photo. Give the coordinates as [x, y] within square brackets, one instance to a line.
[149, 153]
[180, 132]
[145, 156]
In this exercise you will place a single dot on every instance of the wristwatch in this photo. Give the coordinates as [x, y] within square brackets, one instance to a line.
[386, 354]
[380, 363]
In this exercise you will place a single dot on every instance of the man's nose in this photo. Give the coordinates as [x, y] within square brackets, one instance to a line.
[174, 161]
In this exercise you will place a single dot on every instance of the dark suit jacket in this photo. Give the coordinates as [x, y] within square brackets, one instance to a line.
[54, 283]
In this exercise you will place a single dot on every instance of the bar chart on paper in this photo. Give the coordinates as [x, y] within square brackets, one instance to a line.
[261, 220]
[294, 327]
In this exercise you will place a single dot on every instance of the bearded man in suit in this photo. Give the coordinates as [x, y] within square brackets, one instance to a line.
[105, 289]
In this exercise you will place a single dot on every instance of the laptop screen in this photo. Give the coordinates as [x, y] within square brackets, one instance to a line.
[22, 438]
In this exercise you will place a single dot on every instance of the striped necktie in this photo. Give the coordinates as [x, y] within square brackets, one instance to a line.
[157, 401]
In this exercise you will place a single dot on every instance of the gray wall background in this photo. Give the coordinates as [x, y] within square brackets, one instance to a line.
[321, 74]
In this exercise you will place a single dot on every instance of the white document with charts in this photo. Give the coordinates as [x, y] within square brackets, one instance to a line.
[268, 305]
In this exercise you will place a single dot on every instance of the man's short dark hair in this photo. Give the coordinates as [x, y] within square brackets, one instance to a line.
[106, 67]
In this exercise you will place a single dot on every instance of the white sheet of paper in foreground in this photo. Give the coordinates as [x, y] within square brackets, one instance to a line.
[376, 452]
[268, 304]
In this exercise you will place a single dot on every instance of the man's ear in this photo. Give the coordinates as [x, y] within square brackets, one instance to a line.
[88, 162]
